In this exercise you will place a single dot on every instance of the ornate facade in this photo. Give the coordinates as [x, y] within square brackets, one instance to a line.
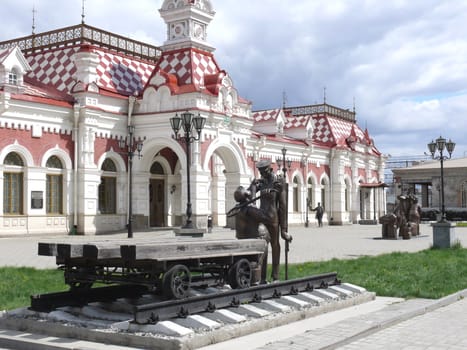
[67, 98]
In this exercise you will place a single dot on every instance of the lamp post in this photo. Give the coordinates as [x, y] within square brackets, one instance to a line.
[439, 145]
[286, 189]
[187, 121]
[131, 146]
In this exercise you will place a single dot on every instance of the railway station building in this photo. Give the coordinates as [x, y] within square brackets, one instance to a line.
[86, 137]
[424, 180]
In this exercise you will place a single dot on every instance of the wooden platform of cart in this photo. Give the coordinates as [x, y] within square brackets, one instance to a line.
[136, 249]
[170, 267]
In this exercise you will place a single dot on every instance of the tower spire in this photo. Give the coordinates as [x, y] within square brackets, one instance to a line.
[82, 12]
[324, 95]
[33, 19]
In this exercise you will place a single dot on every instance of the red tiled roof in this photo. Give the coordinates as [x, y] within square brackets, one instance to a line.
[5, 52]
[328, 130]
[117, 72]
[297, 122]
[190, 66]
[266, 115]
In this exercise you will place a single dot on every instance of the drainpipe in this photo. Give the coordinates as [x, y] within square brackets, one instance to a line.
[331, 180]
[76, 110]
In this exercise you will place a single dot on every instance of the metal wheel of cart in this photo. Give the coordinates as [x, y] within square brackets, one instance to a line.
[239, 275]
[176, 282]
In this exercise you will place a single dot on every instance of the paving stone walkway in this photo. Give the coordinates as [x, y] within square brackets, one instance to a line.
[412, 325]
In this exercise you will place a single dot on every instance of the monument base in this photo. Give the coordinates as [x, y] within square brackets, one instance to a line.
[189, 232]
[444, 234]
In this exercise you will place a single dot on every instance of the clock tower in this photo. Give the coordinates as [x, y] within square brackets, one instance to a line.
[187, 22]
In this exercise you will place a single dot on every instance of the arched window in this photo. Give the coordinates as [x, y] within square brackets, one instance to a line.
[156, 169]
[108, 188]
[54, 162]
[310, 192]
[13, 158]
[54, 186]
[295, 194]
[13, 184]
[323, 193]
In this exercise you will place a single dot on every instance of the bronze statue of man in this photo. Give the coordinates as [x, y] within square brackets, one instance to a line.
[273, 205]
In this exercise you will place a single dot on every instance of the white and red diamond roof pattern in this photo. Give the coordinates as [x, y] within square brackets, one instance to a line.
[4, 53]
[328, 130]
[322, 131]
[189, 66]
[117, 73]
[121, 74]
[266, 115]
[297, 122]
[54, 68]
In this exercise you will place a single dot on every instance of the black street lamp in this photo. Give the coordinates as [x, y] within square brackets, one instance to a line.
[286, 189]
[188, 121]
[131, 146]
[439, 145]
[286, 163]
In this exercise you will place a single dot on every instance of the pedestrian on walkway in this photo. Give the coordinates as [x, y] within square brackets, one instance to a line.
[319, 214]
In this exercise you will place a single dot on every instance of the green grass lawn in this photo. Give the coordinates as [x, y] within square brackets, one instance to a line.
[18, 284]
[431, 273]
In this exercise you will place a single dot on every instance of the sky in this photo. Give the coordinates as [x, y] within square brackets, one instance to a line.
[401, 63]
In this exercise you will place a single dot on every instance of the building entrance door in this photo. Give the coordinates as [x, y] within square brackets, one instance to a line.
[156, 203]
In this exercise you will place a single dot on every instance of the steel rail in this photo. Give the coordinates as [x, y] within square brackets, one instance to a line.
[79, 297]
[154, 312]
[165, 310]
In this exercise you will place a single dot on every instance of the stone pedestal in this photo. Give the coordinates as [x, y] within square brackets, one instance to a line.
[444, 234]
[190, 232]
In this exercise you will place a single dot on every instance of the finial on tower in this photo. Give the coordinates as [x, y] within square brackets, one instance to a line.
[33, 19]
[82, 12]
[284, 99]
[324, 95]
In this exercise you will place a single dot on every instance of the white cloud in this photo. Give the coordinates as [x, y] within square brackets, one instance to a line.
[403, 61]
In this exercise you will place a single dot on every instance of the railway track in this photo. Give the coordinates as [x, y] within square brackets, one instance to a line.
[152, 309]
[140, 319]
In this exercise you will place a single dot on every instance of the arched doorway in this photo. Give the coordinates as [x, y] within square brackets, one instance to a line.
[157, 196]
[227, 170]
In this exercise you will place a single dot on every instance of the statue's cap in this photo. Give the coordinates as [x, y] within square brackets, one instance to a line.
[263, 163]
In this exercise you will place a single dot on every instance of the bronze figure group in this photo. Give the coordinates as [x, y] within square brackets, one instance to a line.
[272, 213]
[405, 218]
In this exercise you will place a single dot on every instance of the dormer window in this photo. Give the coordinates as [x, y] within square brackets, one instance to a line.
[13, 77]
[13, 67]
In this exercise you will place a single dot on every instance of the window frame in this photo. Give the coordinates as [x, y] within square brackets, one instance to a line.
[13, 167]
[13, 204]
[107, 189]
